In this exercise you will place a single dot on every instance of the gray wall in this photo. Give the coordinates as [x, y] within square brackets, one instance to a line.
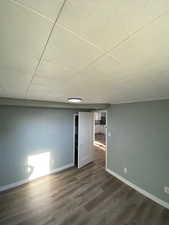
[32, 131]
[140, 141]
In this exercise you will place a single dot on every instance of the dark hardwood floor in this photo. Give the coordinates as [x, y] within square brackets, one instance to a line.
[100, 138]
[79, 197]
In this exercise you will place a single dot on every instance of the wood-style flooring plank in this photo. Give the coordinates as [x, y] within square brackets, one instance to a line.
[86, 196]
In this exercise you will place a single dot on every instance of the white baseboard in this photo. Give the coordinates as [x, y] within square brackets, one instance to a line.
[140, 190]
[13, 185]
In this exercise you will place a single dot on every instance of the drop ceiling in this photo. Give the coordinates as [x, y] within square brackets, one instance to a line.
[107, 51]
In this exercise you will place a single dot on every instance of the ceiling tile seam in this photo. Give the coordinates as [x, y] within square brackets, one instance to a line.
[89, 64]
[93, 62]
[32, 10]
[87, 42]
[79, 37]
[77, 73]
[93, 44]
[132, 35]
[45, 46]
[128, 37]
[84, 40]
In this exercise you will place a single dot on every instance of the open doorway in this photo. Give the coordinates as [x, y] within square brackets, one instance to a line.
[100, 135]
[89, 138]
[100, 127]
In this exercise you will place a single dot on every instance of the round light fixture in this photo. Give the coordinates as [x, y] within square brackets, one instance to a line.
[74, 100]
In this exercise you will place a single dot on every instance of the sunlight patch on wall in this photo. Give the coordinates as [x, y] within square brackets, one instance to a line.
[38, 165]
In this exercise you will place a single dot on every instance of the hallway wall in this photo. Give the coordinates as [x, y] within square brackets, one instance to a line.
[139, 141]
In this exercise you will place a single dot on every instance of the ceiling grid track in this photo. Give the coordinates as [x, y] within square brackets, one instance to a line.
[46, 44]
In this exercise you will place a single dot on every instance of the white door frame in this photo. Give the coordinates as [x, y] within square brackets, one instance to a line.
[106, 133]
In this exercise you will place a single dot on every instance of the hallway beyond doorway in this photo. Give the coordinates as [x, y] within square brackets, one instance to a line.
[100, 129]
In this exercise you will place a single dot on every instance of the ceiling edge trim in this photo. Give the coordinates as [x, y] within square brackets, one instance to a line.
[48, 104]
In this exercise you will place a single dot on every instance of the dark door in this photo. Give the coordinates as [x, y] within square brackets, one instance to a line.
[76, 139]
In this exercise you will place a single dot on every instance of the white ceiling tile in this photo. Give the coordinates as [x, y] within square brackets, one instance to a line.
[46, 90]
[41, 92]
[54, 71]
[49, 8]
[106, 23]
[96, 81]
[13, 82]
[49, 84]
[68, 52]
[147, 53]
[139, 89]
[54, 76]
[103, 71]
[146, 56]
[71, 65]
[107, 80]
[22, 38]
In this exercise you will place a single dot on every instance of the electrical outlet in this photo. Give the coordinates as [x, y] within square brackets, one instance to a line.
[166, 190]
[125, 170]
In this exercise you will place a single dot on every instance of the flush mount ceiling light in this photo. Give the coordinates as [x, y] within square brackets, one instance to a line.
[74, 100]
